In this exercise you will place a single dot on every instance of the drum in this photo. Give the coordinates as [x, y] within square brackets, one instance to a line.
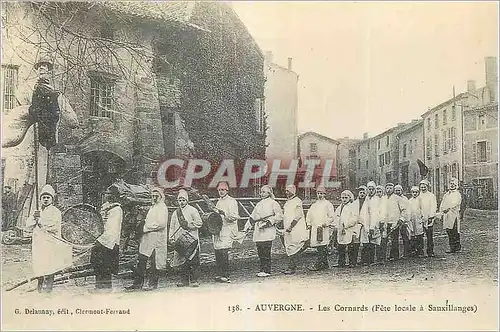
[81, 224]
[185, 244]
[213, 221]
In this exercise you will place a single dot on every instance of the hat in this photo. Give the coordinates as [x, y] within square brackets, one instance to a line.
[321, 189]
[362, 188]
[291, 188]
[159, 191]
[398, 186]
[454, 181]
[48, 190]
[371, 184]
[426, 182]
[389, 184]
[222, 185]
[349, 193]
[43, 61]
[183, 194]
[380, 187]
[414, 188]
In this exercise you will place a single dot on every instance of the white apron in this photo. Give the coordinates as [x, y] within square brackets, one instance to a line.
[451, 200]
[346, 221]
[270, 209]
[294, 240]
[321, 214]
[415, 213]
[229, 231]
[155, 238]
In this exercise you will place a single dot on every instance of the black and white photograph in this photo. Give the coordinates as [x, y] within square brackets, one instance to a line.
[249, 165]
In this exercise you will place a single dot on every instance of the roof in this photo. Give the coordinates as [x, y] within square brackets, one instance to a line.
[487, 107]
[446, 103]
[412, 125]
[168, 11]
[309, 133]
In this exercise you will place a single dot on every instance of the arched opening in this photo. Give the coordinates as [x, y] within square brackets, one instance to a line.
[100, 170]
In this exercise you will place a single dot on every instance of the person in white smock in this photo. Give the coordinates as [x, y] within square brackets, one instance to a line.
[416, 223]
[346, 221]
[429, 207]
[153, 244]
[47, 220]
[450, 210]
[295, 234]
[185, 222]
[264, 217]
[405, 226]
[227, 207]
[319, 220]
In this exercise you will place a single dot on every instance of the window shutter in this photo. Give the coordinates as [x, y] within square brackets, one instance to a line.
[488, 151]
[474, 153]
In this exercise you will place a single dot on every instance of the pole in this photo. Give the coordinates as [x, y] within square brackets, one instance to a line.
[35, 161]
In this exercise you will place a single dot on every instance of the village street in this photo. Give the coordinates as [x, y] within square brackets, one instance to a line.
[477, 263]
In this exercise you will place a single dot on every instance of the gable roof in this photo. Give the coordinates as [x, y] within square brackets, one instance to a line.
[312, 133]
[446, 103]
[167, 11]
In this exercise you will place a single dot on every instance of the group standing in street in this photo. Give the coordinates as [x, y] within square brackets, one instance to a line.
[363, 225]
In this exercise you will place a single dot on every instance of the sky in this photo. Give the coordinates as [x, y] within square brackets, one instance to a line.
[365, 67]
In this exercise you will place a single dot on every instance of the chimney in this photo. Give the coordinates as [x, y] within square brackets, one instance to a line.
[269, 57]
[490, 64]
[471, 86]
[401, 124]
[289, 63]
[365, 135]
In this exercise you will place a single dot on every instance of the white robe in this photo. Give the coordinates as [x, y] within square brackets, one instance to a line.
[155, 234]
[371, 219]
[321, 214]
[429, 206]
[267, 207]
[360, 230]
[294, 240]
[112, 214]
[49, 253]
[416, 222]
[229, 231]
[451, 200]
[346, 220]
[194, 222]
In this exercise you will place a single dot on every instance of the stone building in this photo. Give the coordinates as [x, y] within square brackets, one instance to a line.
[410, 148]
[322, 148]
[443, 133]
[148, 81]
[346, 167]
[281, 107]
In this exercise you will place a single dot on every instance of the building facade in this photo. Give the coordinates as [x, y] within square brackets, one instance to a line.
[410, 149]
[444, 130]
[346, 167]
[321, 148]
[281, 107]
[148, 81]
[481, 156]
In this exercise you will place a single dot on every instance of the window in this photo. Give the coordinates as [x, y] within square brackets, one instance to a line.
[359, 163]
[453, 113]
[359, 148]
[481, 122]
[410, 147]
[444, 117]
[378, 145]
[454, 170]
[429, 149]
[404, 150]
[428, 124]
[260, 115]
[453, 139]
[485, 187]
[436, 145]
[313, 147]
[381, 160]
[170, 118]
[482, 155]
[10, 74]
[366, 164]
[368, 145]
[445, 142]
[436, 121]
[387, 158]
[101, 97]
[387, 141]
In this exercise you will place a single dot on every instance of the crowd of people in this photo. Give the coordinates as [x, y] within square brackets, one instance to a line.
[367, 225]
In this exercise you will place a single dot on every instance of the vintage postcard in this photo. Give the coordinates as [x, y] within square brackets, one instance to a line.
[249, 165]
